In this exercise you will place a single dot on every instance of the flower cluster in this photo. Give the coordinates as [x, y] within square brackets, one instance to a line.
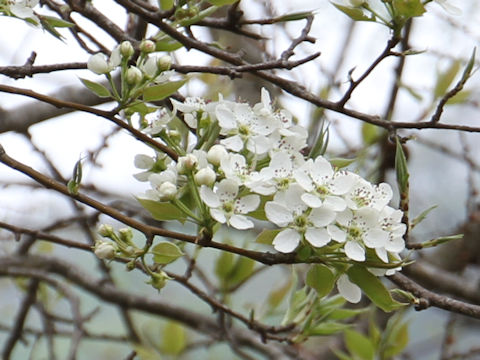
[259, 158]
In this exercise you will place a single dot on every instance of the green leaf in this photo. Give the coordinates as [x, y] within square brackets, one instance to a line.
[354, 13]
[326, 328]
[224, 265]
[396, 340]
[359, 345]
[440, 240]
[140, 108]
[421, 217]
[242, 270]
[340, 163]
[373, 288]
[320, 278]
[167, 43]
[370, 133]
[460, 98]
[222, 2]
[165, 253]
[342, 314]
[277, 295]
[166, 4]
[408, 8]
[162, 211]
[341, 355]
[401, 168]
[266, 236]
[174, 338]
[295, 16]
[56, 22]
[161, 91]
[445, 79]
[97, 88]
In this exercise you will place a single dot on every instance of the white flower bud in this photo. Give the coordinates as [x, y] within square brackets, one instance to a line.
[205, 176]
[150, 67]
[147, 46]
[125, 234]
[126, 49]
[186, 163]
[167, 191]
[98, 64]
[133, 75]
[164, 63]
[105, 230]
[105, 250]
[216, 154]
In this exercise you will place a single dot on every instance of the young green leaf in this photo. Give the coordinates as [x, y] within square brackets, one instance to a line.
[401, 168]
[445, 79]
[326, 328]
[320, 278]
[174, 339]
[340, 163]
[97, 88]
[353, 13]
[421, 217]
[165, 253]
[266, 236]
[408, 8]
[161, 91]
[162, 211]
[373, 288]
[222, 2]
[359, 345]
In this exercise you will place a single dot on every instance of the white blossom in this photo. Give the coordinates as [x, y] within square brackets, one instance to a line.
[225, 205]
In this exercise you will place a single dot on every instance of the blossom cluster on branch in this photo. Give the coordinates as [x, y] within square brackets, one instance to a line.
[258, 171]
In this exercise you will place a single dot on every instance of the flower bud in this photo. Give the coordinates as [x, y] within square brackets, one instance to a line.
[216, 154]
[186, 163]
[133, 75]
[147, 46]
[106, 230]
[125, 235]
[98, 64]
[164, 63]
[167, 191]
[105, 250]
[126, 49]
[205, 176]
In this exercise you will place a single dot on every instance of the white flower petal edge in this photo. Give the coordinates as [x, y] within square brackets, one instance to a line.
[286, 241]
[351, 292]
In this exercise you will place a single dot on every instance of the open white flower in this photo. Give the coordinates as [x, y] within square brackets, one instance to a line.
[23, 9]
[226, 207]
[365, 194]
[358, 230]
[290, 212]
[194, 109]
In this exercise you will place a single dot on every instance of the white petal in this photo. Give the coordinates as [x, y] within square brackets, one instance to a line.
[278, 214]
[311, 200]
[354, 251]
[143, 161]
[382, 254]
[336, 233]
[226, 118]
[375, 238]
[396, 244]
[322, 216]
[317, 237]
[234, 143]
[209, 197]
[336, 203]
[218, 215]
[259, 144]
[351, 292]
[286, 241]
[247, 203]
[227, 190]
[240, 222]
[343, 182]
